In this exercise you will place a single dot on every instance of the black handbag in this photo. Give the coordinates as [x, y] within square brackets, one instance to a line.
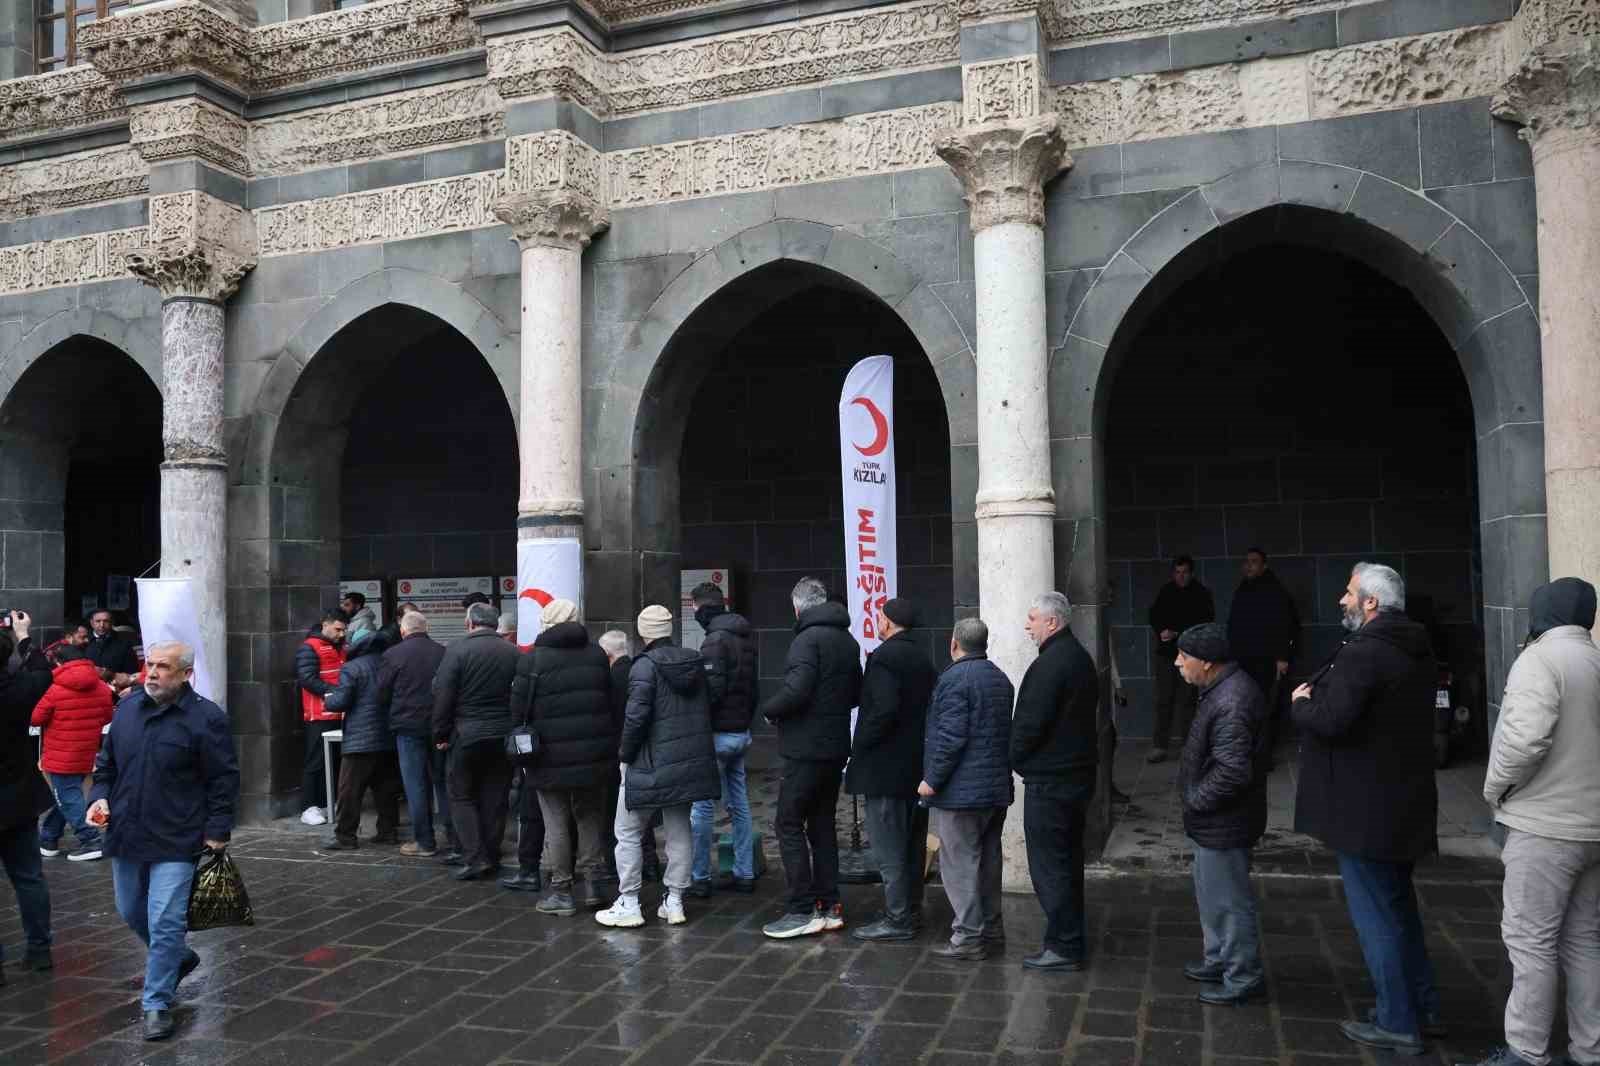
[522, 743]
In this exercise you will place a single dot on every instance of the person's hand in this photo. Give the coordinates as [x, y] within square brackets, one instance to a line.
[924, 790]
[1302, 693]
[443, 745]
[21, 623]
[1122, 698]
[1167, 635]
[99, 813]
[217, 845]
[1283, 667]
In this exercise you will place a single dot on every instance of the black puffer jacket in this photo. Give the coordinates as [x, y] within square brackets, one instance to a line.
[567, 681]
[1366, 749]
[968, 736]
[472, 690]
[1223, 775]
[1053, 736]
[359, 696]
[24, 678]
[886, 755]
[730, 654]
[405, 681]
[666, 738]
[1263, 622]
[821, 684]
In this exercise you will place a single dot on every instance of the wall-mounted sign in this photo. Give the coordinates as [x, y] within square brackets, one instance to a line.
[440, 599]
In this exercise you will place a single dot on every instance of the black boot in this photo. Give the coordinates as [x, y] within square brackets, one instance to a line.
[522, 881]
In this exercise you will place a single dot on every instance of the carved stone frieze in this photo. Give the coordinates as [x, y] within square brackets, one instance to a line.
[72, 261]
[553, 217]
[181, 36]
[198, 247]
[403, 122]
[358, 38]
[60, 100]
[1407, 71]
[189, 127]
[1003, 167]
[395, 213]
[1002, 89]
[33, 188]
[1075, 20]
[553, 160]
[550, 63]
[1553, 88]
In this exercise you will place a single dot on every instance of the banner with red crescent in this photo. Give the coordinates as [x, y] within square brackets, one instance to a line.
[866, 455]
[547, 569]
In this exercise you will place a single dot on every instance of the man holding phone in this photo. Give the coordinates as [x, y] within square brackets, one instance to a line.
[24, 678]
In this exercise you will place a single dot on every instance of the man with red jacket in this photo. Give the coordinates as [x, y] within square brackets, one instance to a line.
[316, 667]
[71, 714]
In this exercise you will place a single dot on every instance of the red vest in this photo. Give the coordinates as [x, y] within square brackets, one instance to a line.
[329, 660]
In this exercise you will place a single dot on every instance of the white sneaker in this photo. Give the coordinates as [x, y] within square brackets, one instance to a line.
[313, 816]
[671, 911]
[49, 853]
[622, 914]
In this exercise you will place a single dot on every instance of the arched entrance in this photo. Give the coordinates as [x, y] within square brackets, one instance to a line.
[80, 460]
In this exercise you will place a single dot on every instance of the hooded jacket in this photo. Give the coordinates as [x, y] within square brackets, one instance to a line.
[1263, 622]
[563, 687]
[71, 715]
[886, 752]
[730, 653]
[1544, 761]
[405, 682]
[666, 732]
[1366, 753]
[1222, 777]
[363, 624]
[359, 697]
[968, 736]
[821, 684]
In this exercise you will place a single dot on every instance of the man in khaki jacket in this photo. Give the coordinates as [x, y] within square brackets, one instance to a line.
[1544, 784]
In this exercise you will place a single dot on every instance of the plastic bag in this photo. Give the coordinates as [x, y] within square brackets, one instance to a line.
[217, 897]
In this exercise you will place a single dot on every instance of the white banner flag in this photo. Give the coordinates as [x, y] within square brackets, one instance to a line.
[547, 569]
[167, 612]
[866, 455]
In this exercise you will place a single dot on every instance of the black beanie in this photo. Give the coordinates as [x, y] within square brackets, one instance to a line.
[901, 612]
[1207, 642]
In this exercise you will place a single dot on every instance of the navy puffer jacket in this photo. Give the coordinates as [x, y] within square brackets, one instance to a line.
[966, 756]
[666, 731]
[360, 697]
[1223, 775]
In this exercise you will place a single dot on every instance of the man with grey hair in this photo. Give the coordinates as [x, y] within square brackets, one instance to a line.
[1055, 749]
[405, 690]
[471, 717]
[1367, 791]
[966, 783]
[821, 683]
[165, 785]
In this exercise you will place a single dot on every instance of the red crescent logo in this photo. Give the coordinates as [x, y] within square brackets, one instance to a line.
[539, 596]
[880, 426]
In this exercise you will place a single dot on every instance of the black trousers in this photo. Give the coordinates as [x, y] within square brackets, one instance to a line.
[1053, 815]
[530, 825]
[479, 779]
[359, 771]
[806, 833]
[313, 789]
[1174, 698]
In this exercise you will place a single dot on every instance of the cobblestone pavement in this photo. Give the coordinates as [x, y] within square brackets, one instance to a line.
[371, 958]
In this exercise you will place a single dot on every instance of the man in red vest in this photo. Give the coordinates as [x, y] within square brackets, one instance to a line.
[316, 668]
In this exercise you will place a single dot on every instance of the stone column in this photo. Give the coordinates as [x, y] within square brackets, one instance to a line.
[200, 248]
[554, 211]
[1555, 93]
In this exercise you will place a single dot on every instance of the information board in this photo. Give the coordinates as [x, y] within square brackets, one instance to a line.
[440, 599]
[693, 635]
[507, 597]
[372, 590]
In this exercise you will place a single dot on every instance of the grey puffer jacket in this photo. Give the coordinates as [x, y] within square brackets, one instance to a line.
[966, 753]
[666, 730]
[1223, 776]
[360, 698]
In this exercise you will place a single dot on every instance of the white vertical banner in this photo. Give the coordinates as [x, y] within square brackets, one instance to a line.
[547, 569]
[866, 455]
[167, 612]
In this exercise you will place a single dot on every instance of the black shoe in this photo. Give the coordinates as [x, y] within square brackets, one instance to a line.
[388, 838]
[453, 857]
[971, 951]
[190, 963]
[698, 889]
[1221, 997]
[730, 883]
[159, 1024]
[472, 871]
[1199, 971]
[589, 895]
[522, 881]
[1369, 1034]
[1052, 961]
[38, 959]
[1432, 1027]
[340, 845]
[884, 930]
[558, 903]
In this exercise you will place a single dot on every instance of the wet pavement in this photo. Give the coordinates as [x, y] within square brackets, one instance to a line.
[369, 958]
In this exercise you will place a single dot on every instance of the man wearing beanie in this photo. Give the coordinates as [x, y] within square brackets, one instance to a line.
[1222, 780]
[821, 684]
[668, 763]
[1544, 786]
[563, 690]
[886, 767]
[730, 653]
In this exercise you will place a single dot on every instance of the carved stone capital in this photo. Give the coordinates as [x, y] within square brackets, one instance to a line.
[199, 247]
[552, 218]
[1004, 166]
[175, 38]
[1554, 86]
[176, 129]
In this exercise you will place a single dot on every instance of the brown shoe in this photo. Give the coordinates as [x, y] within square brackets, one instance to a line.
[412, 849]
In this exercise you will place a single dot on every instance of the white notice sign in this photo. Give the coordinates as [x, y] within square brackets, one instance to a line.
[693, 635]
[440, 599]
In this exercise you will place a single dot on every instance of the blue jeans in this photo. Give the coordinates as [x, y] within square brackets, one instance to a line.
[1227, 904]
[1383, 907]
[730, 749]
[153, 898]
[69, 810]
[416, 766]
[19, 853]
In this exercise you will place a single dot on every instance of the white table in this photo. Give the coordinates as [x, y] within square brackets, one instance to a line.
[329, 739]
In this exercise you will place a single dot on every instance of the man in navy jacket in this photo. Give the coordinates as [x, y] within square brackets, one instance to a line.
[165, 786]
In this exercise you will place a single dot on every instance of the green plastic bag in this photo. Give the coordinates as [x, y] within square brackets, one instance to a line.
[217, 897]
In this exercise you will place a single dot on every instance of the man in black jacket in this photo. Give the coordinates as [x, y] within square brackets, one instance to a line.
[1263, 629]
[1181, 603]
[821, 684]
[1054, 748]
[111, 652]
[405, 686]
[730, 654]
[471, 717]
[1367, 791]
[886, 767]
[24, 795]
[1223, 783]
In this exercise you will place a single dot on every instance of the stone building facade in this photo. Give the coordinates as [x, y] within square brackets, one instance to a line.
[249, 215]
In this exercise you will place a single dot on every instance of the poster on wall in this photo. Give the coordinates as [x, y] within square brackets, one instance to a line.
[440, 599]
[507, 601]
[693, 634]
[548, 568]
[118, 591]
[372, 590]
[167, 612]
[866, 453]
